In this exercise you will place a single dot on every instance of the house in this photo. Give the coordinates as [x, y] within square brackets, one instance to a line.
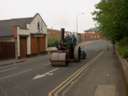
[22, 37]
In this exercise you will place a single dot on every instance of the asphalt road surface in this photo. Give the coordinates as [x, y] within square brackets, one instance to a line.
[36, 77]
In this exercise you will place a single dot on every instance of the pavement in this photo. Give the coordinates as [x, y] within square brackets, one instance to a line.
[11, 61]
[16, 61]
[103, 78]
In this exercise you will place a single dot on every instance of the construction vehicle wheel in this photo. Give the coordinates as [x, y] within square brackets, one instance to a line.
[52, 64]
[66, 64]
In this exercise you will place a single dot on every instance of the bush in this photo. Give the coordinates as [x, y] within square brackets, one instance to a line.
[52, 42]
[123, 47]
[123, 51]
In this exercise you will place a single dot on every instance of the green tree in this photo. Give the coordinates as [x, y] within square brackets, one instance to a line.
[112, 18]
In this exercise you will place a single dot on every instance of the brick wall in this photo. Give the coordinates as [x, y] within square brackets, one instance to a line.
[92, 35]
[87, 36]
[54, 34]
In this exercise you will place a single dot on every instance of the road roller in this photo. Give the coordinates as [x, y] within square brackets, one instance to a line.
[66, 51]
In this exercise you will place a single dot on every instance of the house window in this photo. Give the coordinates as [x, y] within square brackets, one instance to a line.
[41, 28]
[38, 26]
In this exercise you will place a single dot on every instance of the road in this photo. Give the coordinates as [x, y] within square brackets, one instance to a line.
[36, 77]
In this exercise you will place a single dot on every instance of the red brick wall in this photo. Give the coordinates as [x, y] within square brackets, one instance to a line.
[54, 34]
[87, 36]
[14, 30]
[92, 35]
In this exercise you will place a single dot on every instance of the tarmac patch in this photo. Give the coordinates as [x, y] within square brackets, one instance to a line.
[105, 90]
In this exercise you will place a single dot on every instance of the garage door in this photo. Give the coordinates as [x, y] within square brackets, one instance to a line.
[37, 44]
[42, 44]
[7, 50]
[34, 45]
[23, 46]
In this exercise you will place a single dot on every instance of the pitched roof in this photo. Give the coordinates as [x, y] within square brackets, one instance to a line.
[7, 25]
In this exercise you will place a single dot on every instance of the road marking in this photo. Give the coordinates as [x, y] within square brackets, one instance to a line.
[50, 73]
[16, 74]
[7, 69]
[105, 90]
[73, 77]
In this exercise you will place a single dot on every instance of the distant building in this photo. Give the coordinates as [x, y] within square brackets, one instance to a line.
[22, 37]
[92, 36]
[87, 36]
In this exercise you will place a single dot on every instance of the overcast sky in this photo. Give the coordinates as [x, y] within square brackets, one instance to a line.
[56, 13]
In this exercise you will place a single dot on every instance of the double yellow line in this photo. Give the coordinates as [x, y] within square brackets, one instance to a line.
[73, 77]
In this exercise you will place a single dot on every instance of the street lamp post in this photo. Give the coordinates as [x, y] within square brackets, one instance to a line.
[77, 24]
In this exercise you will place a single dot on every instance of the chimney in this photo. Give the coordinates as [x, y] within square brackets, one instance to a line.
[62, 34]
